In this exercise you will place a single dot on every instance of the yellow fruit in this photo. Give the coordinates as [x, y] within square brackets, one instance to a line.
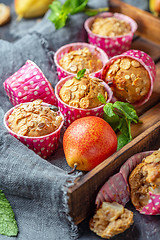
[31, 8]
[154, 6]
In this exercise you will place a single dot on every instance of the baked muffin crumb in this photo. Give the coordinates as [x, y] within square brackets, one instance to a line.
[111, 219]
[145, 178]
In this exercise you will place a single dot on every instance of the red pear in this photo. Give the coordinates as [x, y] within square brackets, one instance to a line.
[87, 142]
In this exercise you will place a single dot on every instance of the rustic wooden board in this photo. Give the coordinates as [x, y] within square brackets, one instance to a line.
[82, 195]
[148, 25]
[146, 134]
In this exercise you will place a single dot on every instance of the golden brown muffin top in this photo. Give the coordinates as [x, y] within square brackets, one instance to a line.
[144, 178]
[83, 93]
[130, 80]
[110, 27]
[76, 60]
[34, 119]
[111, 219]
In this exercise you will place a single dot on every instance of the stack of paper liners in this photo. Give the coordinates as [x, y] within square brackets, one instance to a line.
[117, 187]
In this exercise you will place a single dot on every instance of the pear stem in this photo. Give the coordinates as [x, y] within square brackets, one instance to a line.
[74, 169]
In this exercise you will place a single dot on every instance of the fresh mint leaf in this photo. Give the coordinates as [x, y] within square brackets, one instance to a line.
[8, 225]
[80, 74]
[101, 98]
[61, 12]
[78, 6]
[127, 110]
[122, 141]
[120, 115]
[110, 116]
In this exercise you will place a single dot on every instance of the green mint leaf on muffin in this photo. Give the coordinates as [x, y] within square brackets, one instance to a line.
[61, 12]
[120, 115]
[8, 225]
[80, 74]
[101, 98]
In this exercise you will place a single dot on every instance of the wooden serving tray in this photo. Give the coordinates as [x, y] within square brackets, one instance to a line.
[146, 134]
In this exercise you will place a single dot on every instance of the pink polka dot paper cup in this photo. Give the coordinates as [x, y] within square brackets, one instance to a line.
[145, 60]
[117, 187]
[29, 84]
[72, 113]
[44, 146]
[152, 207]
[62, 73]
[111, 45]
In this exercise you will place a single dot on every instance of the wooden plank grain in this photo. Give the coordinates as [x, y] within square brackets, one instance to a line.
[148, 47]
[82, 195]
[148, 25]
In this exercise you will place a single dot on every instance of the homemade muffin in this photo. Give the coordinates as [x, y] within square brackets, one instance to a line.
[77, 60]
[145, 178]
[110, 27]
[111, 219]
[83, 93]
[34, 119]
[130, 81]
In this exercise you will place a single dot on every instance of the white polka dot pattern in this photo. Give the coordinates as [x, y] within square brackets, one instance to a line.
[145, 60]
[65, 49]
[71, 113]
[116, 45]
[117, 187]
[43, 146]
[21, 85]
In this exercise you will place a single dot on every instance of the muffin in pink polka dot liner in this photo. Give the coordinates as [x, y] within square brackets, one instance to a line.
[111, 45]
[68, 48]
[44, 145]
[145, 62]
[28, 84]
[72, 113]
[138, 180]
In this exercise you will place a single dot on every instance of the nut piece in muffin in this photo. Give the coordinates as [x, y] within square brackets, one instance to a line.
[110, 27]
[111, 219]
[145, 178]
[34, 119]
[130, 80]
[83, 93]
[77, 60]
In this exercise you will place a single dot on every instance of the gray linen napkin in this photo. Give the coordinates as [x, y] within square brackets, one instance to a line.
[36, 188]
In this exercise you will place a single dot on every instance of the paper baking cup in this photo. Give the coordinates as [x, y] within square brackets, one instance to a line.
[153, 206]
[111, 45]
[72, 113]
[29, 84]
[114, 190]
[145, 60]
[44, 146]
[62, 73]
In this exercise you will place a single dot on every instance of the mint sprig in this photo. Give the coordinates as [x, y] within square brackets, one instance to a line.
[61, 12]
[120, 115]
[8, 225]
[80, 74]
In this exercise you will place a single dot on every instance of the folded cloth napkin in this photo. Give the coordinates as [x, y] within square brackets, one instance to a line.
[37, 188]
